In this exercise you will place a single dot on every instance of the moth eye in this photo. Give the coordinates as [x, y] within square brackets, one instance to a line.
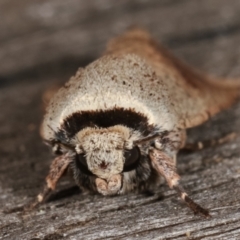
[132, 158]
[82, 160]
[82, 164]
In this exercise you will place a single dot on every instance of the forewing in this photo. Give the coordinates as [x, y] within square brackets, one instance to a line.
[194, 96]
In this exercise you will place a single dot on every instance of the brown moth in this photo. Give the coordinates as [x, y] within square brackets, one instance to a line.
[119, 122]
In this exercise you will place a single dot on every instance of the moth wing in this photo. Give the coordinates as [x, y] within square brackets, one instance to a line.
[195, 96]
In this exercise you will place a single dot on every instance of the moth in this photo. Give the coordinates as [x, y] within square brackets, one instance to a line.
[119, 123]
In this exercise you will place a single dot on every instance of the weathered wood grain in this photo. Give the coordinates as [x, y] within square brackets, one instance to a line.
[36, 32]
[41, 44]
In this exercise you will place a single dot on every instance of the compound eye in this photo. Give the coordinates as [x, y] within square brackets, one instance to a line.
[82, 164]
[132, 158]
[82, 160]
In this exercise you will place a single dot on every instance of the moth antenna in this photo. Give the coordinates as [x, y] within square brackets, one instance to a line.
[146, 139]
[166, 167]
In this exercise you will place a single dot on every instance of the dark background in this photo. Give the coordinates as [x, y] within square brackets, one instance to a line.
[42, 43]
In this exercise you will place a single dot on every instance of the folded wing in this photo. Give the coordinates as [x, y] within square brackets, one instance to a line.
[195, 96]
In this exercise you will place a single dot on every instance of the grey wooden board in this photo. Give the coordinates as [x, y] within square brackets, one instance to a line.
[41, 44]
[35, 32]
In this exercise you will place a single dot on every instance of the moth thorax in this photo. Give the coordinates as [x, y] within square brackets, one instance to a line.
[103, 149]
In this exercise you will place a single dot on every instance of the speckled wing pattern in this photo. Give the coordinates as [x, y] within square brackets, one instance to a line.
[194, 97]
[136, 77]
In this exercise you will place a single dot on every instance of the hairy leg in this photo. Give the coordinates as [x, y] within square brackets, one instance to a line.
[57, 169]
[166, 167]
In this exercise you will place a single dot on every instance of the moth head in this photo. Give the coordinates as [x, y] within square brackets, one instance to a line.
[106, 151]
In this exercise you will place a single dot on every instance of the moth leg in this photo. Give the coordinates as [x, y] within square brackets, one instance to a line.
[210, 143]
[57, 169]
[171, 142]
[166, 167]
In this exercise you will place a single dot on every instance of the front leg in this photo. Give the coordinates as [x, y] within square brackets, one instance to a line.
[165, 166]
[57, 169]
[171, 142]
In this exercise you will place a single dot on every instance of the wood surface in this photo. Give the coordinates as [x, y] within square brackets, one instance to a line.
[42, 43]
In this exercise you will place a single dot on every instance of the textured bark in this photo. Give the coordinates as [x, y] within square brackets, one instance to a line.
[42, 43]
